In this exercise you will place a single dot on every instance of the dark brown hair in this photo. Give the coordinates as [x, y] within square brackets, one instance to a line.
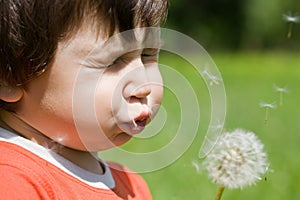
[31, 29]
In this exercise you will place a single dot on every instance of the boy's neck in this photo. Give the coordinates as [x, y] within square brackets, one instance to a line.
[83, 159]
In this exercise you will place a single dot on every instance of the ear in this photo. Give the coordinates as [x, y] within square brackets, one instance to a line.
[11, 94]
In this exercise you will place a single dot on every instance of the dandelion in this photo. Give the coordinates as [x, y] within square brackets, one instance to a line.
[196, 166]
[290, 19]
[237, 160]
[212, 78]
[267, 106]
[281, 91]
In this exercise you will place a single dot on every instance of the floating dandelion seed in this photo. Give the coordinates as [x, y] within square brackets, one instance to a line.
[281, 91]
[213, 79]
[217, 126]
[268, 170]
[290, 19]
[134, 123]
[196, 166]
[55, 145]
[237, 160]
[60, 139]
[267, 106]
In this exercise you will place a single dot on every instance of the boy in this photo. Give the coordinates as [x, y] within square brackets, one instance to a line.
[47, 143]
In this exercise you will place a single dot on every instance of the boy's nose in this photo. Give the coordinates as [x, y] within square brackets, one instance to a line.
[138, 85]
[141, 92]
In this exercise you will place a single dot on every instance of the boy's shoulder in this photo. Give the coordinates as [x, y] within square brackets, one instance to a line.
[21, 176]
[17, 165]
[17, 160]
[13, 155]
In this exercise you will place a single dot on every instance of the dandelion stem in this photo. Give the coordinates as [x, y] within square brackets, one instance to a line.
[219, 193]
[281, 99]
[266, 116]
[290, 31]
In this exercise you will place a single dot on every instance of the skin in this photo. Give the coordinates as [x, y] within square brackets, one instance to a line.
[86, 107]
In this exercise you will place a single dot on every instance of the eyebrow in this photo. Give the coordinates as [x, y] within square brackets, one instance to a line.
[131, 40]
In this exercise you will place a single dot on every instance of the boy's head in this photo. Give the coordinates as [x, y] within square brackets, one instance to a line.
[42, 47]
[31, 29]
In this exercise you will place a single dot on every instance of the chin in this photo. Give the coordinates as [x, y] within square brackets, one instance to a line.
[121, 139]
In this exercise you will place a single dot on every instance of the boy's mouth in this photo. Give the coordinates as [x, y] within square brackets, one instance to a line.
[140, 122]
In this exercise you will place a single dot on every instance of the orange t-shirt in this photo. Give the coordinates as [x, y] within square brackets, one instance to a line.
[26, 176]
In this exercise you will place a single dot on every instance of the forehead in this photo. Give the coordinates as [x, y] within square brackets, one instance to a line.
[147, 37]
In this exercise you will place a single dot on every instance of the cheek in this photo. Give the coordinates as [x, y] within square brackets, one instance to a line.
[157, 93]
[156, 81]
[154, 75]
[92, 109]
[155, 98]
[51, 95]
[107, 94]
[57, 94]
[57, 103]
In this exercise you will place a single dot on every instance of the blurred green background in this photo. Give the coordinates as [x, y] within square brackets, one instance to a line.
[236, 25]
[249, 79]
[248, 42]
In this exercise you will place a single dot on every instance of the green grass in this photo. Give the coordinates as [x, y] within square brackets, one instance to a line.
[248, 80]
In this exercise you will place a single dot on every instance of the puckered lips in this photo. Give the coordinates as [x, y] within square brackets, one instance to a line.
[139, 123]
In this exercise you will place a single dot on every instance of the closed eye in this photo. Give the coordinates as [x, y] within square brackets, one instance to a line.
[150, 55]
[150, 52]
[147, 55]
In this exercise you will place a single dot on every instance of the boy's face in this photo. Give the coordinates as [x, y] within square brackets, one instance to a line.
[96, 94]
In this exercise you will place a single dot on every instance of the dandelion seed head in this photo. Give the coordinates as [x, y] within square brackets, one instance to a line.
[281, 89]
[211, 77]
[237, 160]
[267, 105]
[196, 166]
[291, 18]
[217, 127]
